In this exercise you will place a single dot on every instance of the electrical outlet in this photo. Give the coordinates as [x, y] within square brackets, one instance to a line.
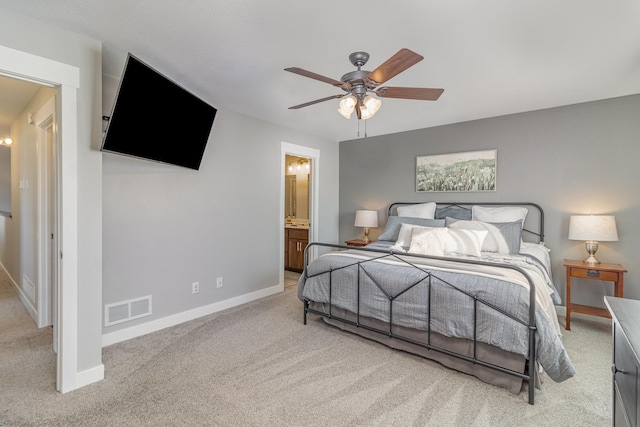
[219, 282]
[195, 287]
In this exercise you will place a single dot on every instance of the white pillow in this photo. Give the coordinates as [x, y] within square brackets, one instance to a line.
[429, 241]
[468, 242]
[404, 235]
[499, 214]
[422, 210]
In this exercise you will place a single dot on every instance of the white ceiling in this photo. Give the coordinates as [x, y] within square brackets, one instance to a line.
[492, 57]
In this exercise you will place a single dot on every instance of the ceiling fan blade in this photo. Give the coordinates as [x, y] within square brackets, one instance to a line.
[317, 101]
[393, 66]
[420, 93]
[305, 73]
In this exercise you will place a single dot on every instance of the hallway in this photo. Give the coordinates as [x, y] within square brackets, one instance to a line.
[27, 360]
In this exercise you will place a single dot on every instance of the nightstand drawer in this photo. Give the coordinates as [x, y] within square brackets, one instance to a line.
[594, 274]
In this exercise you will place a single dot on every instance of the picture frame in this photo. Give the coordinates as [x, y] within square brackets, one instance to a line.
[471, 171]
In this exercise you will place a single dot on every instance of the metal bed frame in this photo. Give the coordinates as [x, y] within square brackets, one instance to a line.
[530, 370]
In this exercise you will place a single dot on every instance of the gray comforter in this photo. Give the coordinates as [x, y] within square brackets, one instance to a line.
[398, 286]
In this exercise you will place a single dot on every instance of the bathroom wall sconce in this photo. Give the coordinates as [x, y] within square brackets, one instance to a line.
[5, 140]
[298, 166]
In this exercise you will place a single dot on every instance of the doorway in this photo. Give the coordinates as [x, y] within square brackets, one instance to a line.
[66, 79]
[298, 206]
[297, 173]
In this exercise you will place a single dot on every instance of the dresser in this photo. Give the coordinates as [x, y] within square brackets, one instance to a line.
[626, 360]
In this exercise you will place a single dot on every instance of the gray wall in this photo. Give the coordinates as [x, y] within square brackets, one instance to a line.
[570, 160]
[166, 227]
[39, 38]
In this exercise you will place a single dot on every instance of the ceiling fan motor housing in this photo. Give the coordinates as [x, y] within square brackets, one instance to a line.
[356, 79]
[356, 82]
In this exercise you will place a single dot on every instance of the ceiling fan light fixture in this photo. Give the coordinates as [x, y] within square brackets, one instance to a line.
[347, 105]
[370, 107]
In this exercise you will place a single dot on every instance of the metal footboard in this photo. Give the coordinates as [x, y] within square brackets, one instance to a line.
[529, 375]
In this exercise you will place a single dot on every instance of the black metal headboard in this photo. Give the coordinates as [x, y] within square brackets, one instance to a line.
[534, 224]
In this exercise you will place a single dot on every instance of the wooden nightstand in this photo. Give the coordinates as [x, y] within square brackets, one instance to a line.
[603, 271]
[356, 242]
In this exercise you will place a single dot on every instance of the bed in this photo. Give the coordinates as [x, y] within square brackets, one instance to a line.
[465, 284]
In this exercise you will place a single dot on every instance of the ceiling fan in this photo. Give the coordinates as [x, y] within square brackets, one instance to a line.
[358, 84]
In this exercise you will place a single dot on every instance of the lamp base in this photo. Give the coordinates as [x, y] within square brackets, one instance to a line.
[366, 235]
[591, 260]
[592, 248]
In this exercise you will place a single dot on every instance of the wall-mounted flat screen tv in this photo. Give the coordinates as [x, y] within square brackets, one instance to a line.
[155, 119]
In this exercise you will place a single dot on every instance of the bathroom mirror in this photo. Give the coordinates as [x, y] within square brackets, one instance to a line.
[290, 196]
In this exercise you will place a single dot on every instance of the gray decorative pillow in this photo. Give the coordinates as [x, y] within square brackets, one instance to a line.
[503, 237]
[392, 229]
[512, 234]
[453, 212]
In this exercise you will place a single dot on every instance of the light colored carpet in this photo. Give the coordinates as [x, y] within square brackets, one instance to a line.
[259, 365]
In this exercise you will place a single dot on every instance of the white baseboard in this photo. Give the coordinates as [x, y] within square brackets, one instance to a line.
[156, 325]
[90, 376]
[23, 297]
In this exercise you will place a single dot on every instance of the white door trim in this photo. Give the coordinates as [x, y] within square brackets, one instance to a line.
[314, 197]
[66, 78]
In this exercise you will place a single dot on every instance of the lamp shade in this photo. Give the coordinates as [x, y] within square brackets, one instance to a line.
[347, 105]
[366, 219]
[370, 106]
[599, 228]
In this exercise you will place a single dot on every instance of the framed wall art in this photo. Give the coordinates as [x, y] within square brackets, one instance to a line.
[468, 171]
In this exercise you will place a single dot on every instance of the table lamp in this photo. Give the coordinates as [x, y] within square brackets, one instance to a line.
[592, 229]
[366, 219]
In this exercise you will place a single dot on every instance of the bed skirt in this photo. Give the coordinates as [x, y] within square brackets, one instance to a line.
[484, 352]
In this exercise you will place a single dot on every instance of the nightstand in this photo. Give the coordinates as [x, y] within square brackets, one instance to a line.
[356, 242]
[603, 271]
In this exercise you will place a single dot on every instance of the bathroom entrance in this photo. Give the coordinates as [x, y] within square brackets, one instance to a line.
[300, 169]
[297, 180]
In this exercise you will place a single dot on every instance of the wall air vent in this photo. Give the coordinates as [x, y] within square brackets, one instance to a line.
[125, 311]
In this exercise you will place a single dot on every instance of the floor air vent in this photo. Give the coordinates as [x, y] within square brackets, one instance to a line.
[124, 311]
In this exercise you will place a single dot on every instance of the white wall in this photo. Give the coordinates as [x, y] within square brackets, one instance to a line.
[39, 38]
[166, 227]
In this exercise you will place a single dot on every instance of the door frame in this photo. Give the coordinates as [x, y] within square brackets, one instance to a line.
[314, 195]
[66, 78]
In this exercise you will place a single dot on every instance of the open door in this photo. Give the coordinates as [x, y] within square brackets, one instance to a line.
[47, 167]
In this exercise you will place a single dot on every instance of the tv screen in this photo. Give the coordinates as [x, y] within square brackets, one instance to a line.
[155, 119]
